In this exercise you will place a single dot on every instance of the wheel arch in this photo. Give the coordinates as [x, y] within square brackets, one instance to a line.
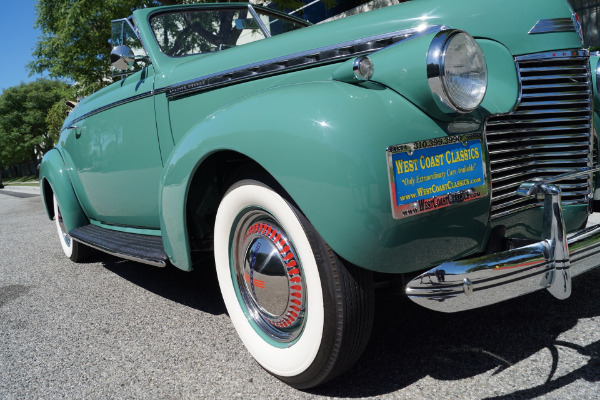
[54, 180]
[207, 186]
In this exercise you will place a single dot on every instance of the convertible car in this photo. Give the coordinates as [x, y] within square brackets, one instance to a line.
[442, 142]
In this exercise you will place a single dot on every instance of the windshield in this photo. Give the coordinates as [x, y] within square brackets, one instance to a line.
[188, 32]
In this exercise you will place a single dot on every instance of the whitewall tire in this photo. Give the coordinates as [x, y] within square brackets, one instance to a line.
[74, 250]
[302, 314]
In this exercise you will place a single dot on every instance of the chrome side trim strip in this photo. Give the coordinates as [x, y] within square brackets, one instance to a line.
[301, 60]
[294, 61]
[553, 25]
[112, 105]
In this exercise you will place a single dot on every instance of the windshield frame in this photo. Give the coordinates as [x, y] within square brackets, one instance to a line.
[252, 9]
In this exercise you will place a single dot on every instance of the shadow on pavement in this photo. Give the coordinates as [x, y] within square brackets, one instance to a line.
[409, 343]
[198, 289]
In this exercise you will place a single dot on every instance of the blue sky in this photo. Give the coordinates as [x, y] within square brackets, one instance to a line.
[18, 39]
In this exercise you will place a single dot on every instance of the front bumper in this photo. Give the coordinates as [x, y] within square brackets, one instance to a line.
[548, 264]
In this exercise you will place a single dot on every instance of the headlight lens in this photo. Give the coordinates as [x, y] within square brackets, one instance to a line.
[456, 71]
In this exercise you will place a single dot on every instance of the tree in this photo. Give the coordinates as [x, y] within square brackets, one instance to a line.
[24, 130]
[74, 41]
[75, 37]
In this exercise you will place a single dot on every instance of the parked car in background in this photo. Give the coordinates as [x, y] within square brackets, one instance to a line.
[445, 142]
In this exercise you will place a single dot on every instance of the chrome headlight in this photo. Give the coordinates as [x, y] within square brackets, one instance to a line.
[456, 71]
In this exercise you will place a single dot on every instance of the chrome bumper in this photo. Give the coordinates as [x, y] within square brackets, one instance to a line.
[548, 264]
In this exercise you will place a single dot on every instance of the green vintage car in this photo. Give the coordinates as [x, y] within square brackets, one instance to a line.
[445, 143]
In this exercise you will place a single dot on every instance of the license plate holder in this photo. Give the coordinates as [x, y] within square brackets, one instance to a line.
[432, 174]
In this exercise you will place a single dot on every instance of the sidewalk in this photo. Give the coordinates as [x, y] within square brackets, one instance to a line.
[21, 189]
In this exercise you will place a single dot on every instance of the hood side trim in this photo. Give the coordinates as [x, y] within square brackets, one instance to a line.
[301, 60]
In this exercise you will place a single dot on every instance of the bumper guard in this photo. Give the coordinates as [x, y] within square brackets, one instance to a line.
[548, 264]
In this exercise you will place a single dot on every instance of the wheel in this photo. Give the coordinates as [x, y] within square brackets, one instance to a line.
[76, 251]
[302, 314]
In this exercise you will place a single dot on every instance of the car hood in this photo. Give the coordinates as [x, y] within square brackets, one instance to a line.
[505, 21]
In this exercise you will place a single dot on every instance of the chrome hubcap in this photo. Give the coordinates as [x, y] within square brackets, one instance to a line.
[269, 276]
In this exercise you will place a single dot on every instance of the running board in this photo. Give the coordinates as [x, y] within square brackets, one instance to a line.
[132, 246]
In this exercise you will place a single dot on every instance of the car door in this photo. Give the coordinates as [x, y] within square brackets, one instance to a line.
[116, 155]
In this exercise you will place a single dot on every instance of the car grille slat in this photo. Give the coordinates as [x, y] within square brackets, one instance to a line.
[577, 94]
[521, 142]
[548, 134]
[553, 77]
[537, 121]
[558, 86]
[535, 156]
[525, 164]
[555, 68]
[570, 188]
[585, 128]
[552, 111]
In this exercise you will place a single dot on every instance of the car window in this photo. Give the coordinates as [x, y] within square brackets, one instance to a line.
[190, 32]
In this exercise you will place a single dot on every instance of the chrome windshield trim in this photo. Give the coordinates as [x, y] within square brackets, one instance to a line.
[133, 28]
[262, 25]
[133, 25]
[553, 25]
[300, 60]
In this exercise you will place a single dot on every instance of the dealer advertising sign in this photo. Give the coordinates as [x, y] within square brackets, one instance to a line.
[436, 173]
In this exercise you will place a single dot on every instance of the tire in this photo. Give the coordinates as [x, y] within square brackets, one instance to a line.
[302, 314]
[74, 250]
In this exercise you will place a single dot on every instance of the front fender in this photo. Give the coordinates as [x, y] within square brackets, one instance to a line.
[325, 143]
[53, 173]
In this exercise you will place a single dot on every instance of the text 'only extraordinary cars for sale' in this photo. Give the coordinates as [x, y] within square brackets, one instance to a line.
[444, 142]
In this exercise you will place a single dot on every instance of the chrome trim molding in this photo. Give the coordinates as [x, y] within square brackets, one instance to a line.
[553, 25]
[301, 60]
[111, 105]
[554, 55]
[435, 68]
[550, 263]
[549, 132]
[436, 72]
[278, 65]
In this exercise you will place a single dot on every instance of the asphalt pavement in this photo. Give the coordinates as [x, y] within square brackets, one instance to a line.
[115, 329]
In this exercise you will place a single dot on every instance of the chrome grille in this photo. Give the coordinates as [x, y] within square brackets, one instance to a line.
[548, 134]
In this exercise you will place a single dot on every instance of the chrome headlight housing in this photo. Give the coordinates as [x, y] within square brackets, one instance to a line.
[456, 71]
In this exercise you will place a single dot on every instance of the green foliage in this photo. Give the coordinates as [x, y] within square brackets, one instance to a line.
[23, 119]
[55, 118]
[75, 37]
[74, 42]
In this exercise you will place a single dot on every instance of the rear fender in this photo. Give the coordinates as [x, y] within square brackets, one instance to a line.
[55, 181]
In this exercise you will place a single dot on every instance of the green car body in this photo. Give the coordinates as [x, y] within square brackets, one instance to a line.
[154, 153]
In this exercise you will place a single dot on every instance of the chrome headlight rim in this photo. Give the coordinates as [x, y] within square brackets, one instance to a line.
[436, 72]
